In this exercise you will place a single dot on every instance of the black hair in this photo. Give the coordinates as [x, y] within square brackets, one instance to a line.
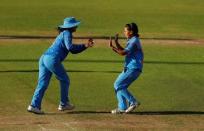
[63, 29]
[59, 29]
[133, 27]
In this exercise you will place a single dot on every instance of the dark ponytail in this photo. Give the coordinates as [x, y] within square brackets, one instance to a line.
[133, 27]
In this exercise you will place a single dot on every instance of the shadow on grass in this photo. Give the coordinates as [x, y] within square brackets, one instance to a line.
[109, 61]
[143, 112]
[40, 37]
[87, 37]
[169, 113]
[135, 113]
[91, 61]
[79, 71]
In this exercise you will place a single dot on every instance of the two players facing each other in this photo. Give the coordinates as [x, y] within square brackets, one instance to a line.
[51, 63]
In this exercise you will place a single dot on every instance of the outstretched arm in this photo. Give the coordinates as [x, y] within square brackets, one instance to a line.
[76, 48]
[81, 47]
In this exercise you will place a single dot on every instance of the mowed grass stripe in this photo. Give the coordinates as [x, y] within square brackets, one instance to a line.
[174, 19]
[170, 93]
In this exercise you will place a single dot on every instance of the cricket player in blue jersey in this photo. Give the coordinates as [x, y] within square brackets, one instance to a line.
[51, 63]
[132, 69]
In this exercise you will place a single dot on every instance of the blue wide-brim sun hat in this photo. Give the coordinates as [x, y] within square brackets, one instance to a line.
[70, 22]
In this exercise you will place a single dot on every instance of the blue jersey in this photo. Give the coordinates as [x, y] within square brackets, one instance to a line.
[63, 45]
[134, 57]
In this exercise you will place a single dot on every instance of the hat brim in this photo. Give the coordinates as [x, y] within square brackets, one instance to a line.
[70, 25]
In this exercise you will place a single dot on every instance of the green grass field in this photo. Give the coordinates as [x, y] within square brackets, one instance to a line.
[159, 18]
[170, 87]
[171, 83]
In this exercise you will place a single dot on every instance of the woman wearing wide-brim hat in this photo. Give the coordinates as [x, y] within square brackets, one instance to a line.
[51, 63]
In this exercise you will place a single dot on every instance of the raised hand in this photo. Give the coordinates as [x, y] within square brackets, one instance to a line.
[90, 43]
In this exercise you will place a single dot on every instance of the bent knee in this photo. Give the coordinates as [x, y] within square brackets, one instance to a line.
[117, 85]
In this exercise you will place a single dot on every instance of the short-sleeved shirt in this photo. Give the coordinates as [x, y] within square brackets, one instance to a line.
[134, 57]
[63, 45]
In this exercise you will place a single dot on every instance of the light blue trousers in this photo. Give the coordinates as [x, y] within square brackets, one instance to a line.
[121, 84]
[49, 65]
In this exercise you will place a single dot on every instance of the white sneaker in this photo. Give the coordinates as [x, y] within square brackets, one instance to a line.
[117, 111]
[132, 107]
[34, 110]
[67, 107]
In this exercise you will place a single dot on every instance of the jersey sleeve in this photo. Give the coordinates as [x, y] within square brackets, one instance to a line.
[67, 40]
[73, 48]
